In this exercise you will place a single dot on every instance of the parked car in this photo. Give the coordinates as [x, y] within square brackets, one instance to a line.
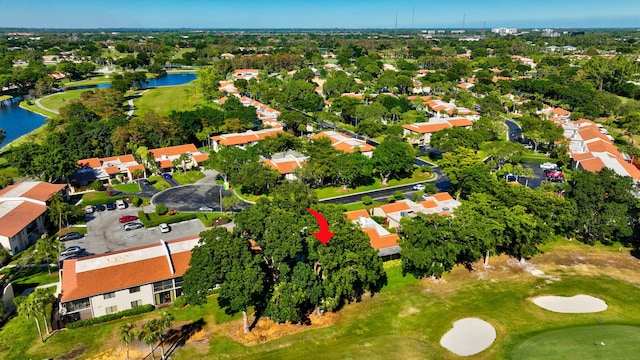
[419, 187]
[100, 207]
[120, 204]
[511, 177]
[205, 208]
[89, 209]
[164, 228]
[167, 176]
[548, 166]
[71, 251]
[127, 218]
[144, 182]
[555, 175]
[132, 226]
[71, 236]
[111, 206]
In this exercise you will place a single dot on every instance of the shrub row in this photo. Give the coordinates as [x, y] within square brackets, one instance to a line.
[105, 318]
[154, 220]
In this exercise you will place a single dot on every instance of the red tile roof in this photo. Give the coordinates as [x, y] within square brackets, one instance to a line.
[395, 207]
[380, 241]
[443, 196]
[593, 164]
[246, 137]
[355, 214]
[174, 150]
[40, 191]
[20, 217]
[424, 128]
[78, 285]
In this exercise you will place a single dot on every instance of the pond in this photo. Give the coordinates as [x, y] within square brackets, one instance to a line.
[167, 80]
[17, 121]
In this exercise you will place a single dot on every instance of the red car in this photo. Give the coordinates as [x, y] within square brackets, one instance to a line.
[127, 218]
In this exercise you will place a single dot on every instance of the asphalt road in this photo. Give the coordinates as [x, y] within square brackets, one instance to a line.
[192, 197]
[442, 183]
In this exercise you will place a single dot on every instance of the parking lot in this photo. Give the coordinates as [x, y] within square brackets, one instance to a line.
[105, 233]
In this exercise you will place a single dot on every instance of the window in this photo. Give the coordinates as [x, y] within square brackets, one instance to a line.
[136, 303]
[162, 285]
[111, 309]
[134, 289]
[110, 295]
[77, 305]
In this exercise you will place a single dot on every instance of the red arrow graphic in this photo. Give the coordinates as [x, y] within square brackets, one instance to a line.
[324, 235]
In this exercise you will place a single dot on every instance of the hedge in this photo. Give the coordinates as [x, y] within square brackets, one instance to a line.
[151, 220]
[105, 318]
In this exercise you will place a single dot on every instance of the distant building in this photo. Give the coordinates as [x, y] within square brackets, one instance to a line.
[504, 31]
[286, 163]
[104, 169]
[346, 143]
[164, 157]
[243, 140]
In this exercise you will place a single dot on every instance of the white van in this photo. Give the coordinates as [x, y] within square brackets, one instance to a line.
[120, 204]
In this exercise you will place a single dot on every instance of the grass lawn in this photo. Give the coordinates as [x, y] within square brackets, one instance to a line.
[5, 97]
[408, 317]
[601, 341]
[158, 182]
[34, 108]
[32, 277]
[92, 81]
[99, 197]
[189, 177]
[338, 191]
[56, 101]
[131, 187]
[165, 99]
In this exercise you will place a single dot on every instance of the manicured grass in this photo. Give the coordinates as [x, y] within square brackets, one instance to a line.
[131, 187]
[207, 218]
[591, 342]
[32, 277]
[56, 101]
[165, 99]
[100, 197]
[92, 81]
[152, 219]
[34, 108]
[5, 97]
[158, 182]
[189, 177]
[407, 319]
[338, 191]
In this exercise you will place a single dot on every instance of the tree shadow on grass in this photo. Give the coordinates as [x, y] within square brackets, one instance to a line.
[178, 337]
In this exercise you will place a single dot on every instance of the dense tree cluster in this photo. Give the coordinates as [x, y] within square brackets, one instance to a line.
[272, 263]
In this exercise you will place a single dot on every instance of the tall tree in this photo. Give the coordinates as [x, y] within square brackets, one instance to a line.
[149, 334]
[393, 158]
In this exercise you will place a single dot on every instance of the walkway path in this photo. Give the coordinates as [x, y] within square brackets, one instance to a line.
[46, 108]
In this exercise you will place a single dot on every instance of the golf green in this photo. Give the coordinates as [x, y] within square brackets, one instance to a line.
[583, 342]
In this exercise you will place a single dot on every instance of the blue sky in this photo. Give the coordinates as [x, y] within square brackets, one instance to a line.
[317, 14]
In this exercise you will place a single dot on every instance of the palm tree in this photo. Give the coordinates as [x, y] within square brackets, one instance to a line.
[127, 334]
[163, 323]
[149, 334]
[28, 308]
[41, 297]
[47, 247]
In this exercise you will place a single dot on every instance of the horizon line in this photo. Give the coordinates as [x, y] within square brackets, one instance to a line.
[318, 28]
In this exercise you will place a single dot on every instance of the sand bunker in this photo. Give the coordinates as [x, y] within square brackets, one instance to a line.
[469, 336]
[574, 305]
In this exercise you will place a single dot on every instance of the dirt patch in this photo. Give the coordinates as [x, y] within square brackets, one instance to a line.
[267, 330]
[75, 352]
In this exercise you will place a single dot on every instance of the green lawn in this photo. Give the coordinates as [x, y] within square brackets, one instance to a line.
[92, 81]
[31, 106]
[338, 191]
[601, 341]
[5, 97]
[56, 101]
[31, 277]
[189, 177]
[158, 182]
[408, 318]
[165, 99]
[131, 187]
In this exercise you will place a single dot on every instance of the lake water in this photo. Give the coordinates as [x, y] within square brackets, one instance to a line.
[17, 121]
[168, 80]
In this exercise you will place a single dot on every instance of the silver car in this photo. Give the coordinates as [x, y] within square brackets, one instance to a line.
[132, 226]
[71, 251]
